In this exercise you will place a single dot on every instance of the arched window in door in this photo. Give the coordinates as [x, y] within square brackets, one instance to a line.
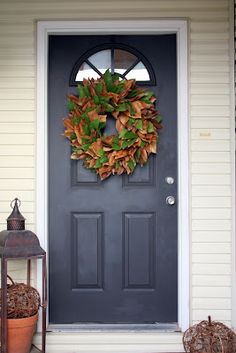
[127, 62]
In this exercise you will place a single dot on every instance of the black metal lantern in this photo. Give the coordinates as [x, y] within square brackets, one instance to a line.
[17, 243]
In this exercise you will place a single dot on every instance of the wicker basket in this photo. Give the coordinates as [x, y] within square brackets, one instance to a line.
[22, 300]
[209, 337]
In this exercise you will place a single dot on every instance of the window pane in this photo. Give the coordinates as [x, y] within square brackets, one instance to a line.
[123, 60]
[139, 73]
[101, 60]
[85, 71]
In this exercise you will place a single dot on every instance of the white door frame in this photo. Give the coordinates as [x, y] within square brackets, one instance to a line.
[44, 29]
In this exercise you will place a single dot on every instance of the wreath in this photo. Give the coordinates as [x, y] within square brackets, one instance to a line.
[137, 124]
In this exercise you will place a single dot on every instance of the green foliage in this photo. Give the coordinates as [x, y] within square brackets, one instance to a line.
[139, 124]
[150, 127]
[83, 91]
[71, 105]
[131, 164]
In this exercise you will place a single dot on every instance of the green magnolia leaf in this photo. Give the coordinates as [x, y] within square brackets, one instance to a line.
[96, 100]
[98, 88]
[98, 163]
[125, 144]
[159, 118]
[107, 76]
[119, 88]
[128, 143]
[122, 107]
[109, 108]
[131, 109]
[101, 125]
[131, 121]
[94, 124]
[139, 124]
[76, 121]
[137, 155]
[125, 134]
[131, 164]
[71, 105]
[73, 136]
[104, 100]
[150, 127]
[115, 140]
[86, 130]
[133, 93]
[145, 100]
[143, 144]
[101, 152]
[83, 91]
[116, 147]
[103, 159]
[129, 135]
[85, 117]
[85, 140]
[122, 133]
[86, 146]
[148, 94]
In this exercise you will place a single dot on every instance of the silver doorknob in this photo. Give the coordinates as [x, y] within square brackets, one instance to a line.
[169, 180]
[170, 200]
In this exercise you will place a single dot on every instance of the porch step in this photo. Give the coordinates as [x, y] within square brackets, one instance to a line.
[112, 342]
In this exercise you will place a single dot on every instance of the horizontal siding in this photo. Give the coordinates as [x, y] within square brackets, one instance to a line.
[114, 342]
[210, 146]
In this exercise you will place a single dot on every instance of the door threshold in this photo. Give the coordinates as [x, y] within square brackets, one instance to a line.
[160, 327]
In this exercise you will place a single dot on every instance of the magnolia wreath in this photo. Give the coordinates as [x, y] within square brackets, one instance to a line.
[137, 125]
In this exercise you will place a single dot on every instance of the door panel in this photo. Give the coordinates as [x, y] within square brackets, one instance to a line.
[112, 244]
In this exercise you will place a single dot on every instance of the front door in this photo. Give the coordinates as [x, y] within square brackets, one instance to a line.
[112, 243]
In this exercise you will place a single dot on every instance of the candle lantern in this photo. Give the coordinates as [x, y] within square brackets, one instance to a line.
[18, 243]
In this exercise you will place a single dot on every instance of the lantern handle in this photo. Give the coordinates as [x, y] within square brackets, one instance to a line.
[16, 201]
[12, 282]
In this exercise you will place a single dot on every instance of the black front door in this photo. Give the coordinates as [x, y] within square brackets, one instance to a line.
[112, 244]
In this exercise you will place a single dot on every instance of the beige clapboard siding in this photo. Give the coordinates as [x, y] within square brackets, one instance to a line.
[17, 173]
[18, 82]
[209, 120]
[204, 303]
[216, 280]
[17, 117]
[12, 93]
[210, 157]
[17, 139]
[207, 68]
[205, 122]
[211, 236]
[210, 168]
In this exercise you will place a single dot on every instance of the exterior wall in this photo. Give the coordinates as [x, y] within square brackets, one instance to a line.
[210, 94]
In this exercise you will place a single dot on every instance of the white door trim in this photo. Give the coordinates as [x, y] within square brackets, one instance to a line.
[44, 29]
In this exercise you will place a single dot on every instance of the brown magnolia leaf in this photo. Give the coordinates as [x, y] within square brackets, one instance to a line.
[143, 156]
[152, 147]
[120, 170]
[128, 85]
[115, 97]
[120, 154]
[96, 147]
[123, 118]
[92, 90]
[68, 124]
[107, 140]
[111, 159]
[93, 115]
[119, 125]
